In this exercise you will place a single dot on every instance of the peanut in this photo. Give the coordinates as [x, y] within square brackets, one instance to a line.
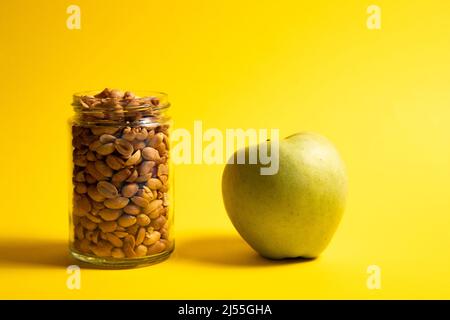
[107, 189]
[133, 176]
[151, 238]
[128, 134]
[114, 162]
[88, 224]
[142, 134]
[103, 168]
[124, 147]
[117, 253]
[156, 248]
[143, 220]
[150, 153]
[130, 190]
[121, 176]
[126, 220]
[146, 167]
[102, 249]
[116, 203]
[140, 201]
[157, 139]
[108, 226]
[105, 149]
[132, 209]
[140, 236]
[94, 194]
[93, 218]
[109, 214]
[115, 241]
[107, 138]
[134, 159]
[155, 204]
[121, 234]
[154, 184]
[141, 250]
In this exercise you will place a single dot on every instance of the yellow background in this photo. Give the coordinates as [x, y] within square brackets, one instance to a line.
[382, 96]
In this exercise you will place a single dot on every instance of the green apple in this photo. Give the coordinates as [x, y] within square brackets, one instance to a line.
[295, 212]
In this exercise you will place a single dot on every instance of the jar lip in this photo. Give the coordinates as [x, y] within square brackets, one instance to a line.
[146, 100]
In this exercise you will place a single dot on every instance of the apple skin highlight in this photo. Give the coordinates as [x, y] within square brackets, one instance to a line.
[295, 212]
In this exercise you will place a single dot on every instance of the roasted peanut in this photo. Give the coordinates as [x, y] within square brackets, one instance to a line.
[150, 153]
[102, 249]
[154, 184]
[156, 248]
[151, 238]
[134, 174]
[128, 250]
[140, 201]
[114, 162]
[143, 220]
[133, 229]
[156, 213]
[157, 139]
[134, 159]
[121, 176]
[121, 234]
[106, 189]
[90, 156]
[163, 169]
[146, 167]
[130, 190]
[97, 131]
[94, 194]
[126, 220]
[128, 134]
[158, 223]
[90, 168]
[117, 253]
[80, 188]
[107, 138]
[79, 233]
[88, 224]
[93, 218]
[115, 241]
[142, 134]
[108, 226]
[141, 250]
[103, 168]
[140, 236]
[79, 177]
[94, 145]
[109, 214]
[124, 147]
[132, 209]
[116, 203]
[84, 246]
[105, 149]
[155, 204]
[83, 205]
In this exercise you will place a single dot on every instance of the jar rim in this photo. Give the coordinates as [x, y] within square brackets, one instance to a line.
[140, 95]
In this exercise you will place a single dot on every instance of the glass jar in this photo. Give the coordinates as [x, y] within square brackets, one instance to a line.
[121, 214]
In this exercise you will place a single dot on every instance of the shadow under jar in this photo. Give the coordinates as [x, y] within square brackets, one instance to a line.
[121, 212]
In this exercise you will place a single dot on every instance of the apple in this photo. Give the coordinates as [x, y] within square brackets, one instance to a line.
[295, 212]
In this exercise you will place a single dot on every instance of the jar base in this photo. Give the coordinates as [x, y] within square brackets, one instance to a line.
[114, 263]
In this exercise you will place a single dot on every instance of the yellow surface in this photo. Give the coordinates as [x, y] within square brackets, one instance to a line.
[382, 96]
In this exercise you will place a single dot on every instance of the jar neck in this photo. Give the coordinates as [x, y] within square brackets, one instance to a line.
[114, 118]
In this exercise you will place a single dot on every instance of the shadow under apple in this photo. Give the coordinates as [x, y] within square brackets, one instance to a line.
[225, 250]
